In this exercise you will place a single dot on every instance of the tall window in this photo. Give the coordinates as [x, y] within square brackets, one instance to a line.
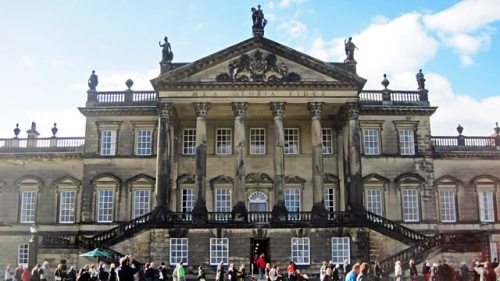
[407, 142]
[143, 142]
[329, 199]
[447, 206]
[223, 203]
[223, 144]
[178, 250]
[301, 251]
[410, 205]
[67, 206]
[292, 202]
[23, 254]
[257, 141]
[374, 201]
[341, 249]
[486, 209]
[189, 142]
[219, 251]
[142, 202]
[108, 142]
[28, 206]
[327, 136]
[291, 141]
[371, 142]
[187, 203]
[105, 205]
[257, 202]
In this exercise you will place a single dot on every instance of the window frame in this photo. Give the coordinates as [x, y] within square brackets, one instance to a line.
[112, 143]
[179, 253]
[340, 242]
[221, 254]
[491, 208]
[368, 192]
[219, 144]
[411, 142]
[453, 202]
[98, 204]
[189, 137]
[148, 147]
[28, 215]
[365, 141]
[135, 214]
[329, 203]
[300, 248]
[286, 134]
[417, 203]
[23, 250]
[252, 140]
[62, 208]
[324, 142]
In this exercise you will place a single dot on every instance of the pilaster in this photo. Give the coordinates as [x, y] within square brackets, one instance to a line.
[239, 110]
[201, 111]
[278, 110]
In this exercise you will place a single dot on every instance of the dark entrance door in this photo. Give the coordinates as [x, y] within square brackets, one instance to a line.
[259, 246]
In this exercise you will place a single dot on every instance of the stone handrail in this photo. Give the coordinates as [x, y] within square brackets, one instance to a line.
[463, 143]
[121, 98]
[393, 229]
[389, 97]
[52, 144]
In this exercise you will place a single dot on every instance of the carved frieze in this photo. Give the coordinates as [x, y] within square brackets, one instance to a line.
[258, 178]
[257, 68]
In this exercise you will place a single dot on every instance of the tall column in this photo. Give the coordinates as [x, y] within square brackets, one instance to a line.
[239, 110]
[164, 158]
[201, 109]
[355, 185]
[278, 110]
[317, 151]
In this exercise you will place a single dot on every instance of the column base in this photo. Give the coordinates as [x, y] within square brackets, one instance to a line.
[239, 213]
[200, 212]
[160, 215]
[279, 212]
[319, 214]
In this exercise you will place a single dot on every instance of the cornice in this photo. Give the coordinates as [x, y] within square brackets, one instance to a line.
[485, 155]
[196, 86]
[397, 110]
[119, 110]
[42, 155]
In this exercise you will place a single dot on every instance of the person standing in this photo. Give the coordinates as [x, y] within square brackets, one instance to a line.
[71, 275]
[261, 265]
[273, 275]
[413, 270]
[35, 273]
[26, 276]
[112, 272]
[10, 274]
[322, 271]
[201, 274]
[291, 270]
[231, 273]
[335, 273]
[377, 271]
[328, 274]
[59, 274]
[426, 271]
[351, 276]
[363, 272]
[398, 271]
[19, 272]
[219, 276]
[103, 275]
[44, 271]
[181, 272]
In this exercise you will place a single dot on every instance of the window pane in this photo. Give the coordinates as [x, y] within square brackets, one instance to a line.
[410, 205]
[257, 141]
[223, 203]
[108, 142]
[105, 205]
[292, 202]
[447, 206]
[374, 201]
[142, 201]
[188, 200]
[329, 199]
[23, 254]
[143, 141]
[178, 250]
[486, 206]
[67, 207]
[371, 141]
[223, 141]
[219, 250]
[406, 142]
[327, 137]
[189, 142]
[340, 250]
[291, 141]
[300, 251]
[28, 206]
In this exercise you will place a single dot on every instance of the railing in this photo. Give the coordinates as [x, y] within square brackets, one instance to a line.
[122, 98]
[260, 217]
[121, 232]
[393, 228]
[53, 144]
[463, 143]
[389, 97]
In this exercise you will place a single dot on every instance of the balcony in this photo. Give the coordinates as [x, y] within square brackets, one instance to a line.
[121, 98]
[465, 144]
[41, 145]
[394, 98]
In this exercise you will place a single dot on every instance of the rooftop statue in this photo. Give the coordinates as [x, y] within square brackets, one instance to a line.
[258, 18]
[349, 49]
[420, 80]
[167, 54]
[93, 81]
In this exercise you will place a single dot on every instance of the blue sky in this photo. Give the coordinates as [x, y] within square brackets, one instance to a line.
[48, 49]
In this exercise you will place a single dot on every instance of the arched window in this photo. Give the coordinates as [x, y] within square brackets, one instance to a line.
[257, 202]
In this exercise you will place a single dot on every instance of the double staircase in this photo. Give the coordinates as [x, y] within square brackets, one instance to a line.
[420, 245]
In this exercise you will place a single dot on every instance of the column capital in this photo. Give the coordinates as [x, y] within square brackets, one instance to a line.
[315, 109]
[201, 108]
[239, 108]
[352, 110]
[165, 110]
[278, 108]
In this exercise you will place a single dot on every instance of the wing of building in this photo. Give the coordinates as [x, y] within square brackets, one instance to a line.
[255, 149]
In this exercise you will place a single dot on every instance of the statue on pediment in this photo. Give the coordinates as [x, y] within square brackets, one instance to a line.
[349, 49]
[167, 54]
[93, 81]
[258, 18]
[420, 80]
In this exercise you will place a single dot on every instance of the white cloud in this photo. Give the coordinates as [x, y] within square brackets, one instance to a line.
[283, 3]
[27, 61]
[292, 28]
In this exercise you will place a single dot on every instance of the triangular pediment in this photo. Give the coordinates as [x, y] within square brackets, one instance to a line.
[260, 61]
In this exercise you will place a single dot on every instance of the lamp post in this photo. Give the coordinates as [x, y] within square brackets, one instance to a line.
[33, 244]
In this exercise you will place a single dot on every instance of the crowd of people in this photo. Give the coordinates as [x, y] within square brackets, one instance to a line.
[127, 270]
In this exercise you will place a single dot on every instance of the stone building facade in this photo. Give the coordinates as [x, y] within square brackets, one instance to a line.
[257, 148]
